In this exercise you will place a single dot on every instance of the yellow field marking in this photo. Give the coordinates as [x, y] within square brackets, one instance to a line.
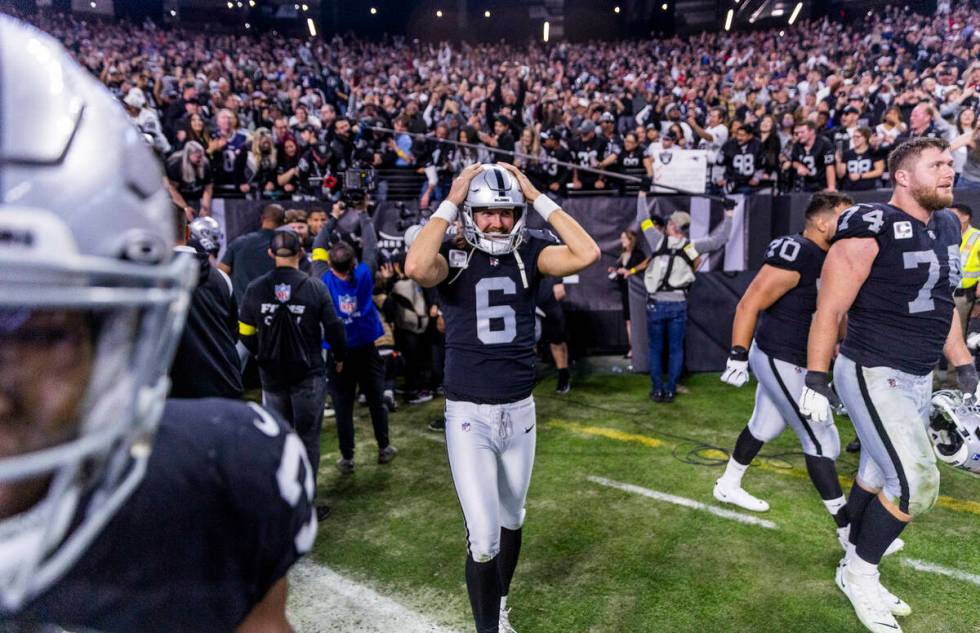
[601, 431]
[949, 503]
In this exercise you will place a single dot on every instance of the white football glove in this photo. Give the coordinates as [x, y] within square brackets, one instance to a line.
[973, 341]
[818, 400]
[737, 368]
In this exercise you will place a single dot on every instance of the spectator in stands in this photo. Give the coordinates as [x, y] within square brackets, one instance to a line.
[924, 122]
[970, 178]
[146, 121]
[888, 131]
[966, 126]
[246, 257]
[527, 149]
[771, 148]
[401, 143]
[742, 159]
[287, 176]
[261, 164]
[812, 163]
[195, 130]
[588, 151]
[189, 180]
[227, 153]
[711, 137]
[860, 168]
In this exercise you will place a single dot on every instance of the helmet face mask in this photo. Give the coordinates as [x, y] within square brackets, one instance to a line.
[494, 188]
[954, 429]
[92, 304]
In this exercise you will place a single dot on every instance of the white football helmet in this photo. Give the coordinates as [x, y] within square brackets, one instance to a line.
[92, 303]
[954, 428]
[494, 188]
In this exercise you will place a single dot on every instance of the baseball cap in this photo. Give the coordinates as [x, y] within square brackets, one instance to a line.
[134, 98]
[851, 110]
[671, 135]
[607, 116]
[681, 219]
[285, 243]
[586, 127]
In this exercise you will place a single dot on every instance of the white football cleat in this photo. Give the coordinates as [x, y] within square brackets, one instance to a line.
[735, 495]
[865, 595]
[504, 622]
[893, 603]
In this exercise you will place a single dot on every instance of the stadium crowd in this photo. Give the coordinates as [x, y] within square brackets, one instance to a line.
[811, 107]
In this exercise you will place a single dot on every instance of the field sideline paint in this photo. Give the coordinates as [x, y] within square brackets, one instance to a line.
[930, 568]
[948, 503]
[683, 501]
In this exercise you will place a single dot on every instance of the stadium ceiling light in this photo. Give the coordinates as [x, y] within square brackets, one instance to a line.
[546, 32]
[91, 4]
[616, 9]
[777, 12]
[306, 7]
[173, 13]
[796, 13]
[486, 13]
[311, 26]
[251, 3]
[439, 13]
[728, 19]
[782, 33]
[374, 11]
[231, 6]
[247, 25]
[239, 4]
[663, 7]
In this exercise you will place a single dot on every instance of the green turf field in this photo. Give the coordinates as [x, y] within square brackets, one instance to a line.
[599, 559]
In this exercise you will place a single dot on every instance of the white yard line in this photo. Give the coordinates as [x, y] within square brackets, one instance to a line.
[931, 568]
[323, 601]
[683, 501]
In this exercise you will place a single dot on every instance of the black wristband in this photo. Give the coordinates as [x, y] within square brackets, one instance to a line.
[966, 378]
[817, 380]
[739, 353]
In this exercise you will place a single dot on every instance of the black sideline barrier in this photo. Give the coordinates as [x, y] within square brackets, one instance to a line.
[595, 320]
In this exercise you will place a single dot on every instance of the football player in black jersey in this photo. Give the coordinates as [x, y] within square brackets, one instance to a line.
[487, 284]
[891, 271]
[860, 167]
[811, 160]
[785, 292]
[119, 511]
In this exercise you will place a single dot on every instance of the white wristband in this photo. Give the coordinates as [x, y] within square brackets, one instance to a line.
[545, 206]
[447, 211]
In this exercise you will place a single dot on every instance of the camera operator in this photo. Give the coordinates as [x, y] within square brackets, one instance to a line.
[289, 350]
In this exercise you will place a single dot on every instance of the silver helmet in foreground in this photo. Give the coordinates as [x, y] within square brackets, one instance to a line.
[494, 188]
[954, 428]
[92, 302]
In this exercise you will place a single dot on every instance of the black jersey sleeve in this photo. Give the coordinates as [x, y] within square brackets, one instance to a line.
[864, 220]
[540, 239]
[270, 489]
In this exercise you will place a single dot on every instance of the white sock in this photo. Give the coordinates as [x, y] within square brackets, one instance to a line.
[733, 472]
[503, 603]
[834, 505]
[860, 566]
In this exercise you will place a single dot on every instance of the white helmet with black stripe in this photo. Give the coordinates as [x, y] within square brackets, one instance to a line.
[92, 304]
[494, 188]
[954, 428]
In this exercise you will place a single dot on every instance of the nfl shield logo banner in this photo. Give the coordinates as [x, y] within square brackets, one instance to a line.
[283, 292]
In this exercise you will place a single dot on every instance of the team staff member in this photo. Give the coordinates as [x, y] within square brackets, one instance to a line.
[351, 284]
[247, 256]
[551, 293]
[674, 258]
[487, 284]
[891, 271]
[965, 296]
[294, 383]
[206, 364]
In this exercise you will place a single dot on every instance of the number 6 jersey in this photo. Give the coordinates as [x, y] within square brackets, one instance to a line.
[489, 315]
[902, 314]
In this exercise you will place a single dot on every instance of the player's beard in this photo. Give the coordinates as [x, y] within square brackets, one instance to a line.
[930, 198]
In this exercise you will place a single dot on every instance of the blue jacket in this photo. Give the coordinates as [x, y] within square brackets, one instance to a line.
[355, 306]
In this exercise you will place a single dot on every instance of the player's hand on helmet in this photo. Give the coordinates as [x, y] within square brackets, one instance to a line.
[818, 399]
[737, 368]
[461, 185]
[530, 192]
[973, 341]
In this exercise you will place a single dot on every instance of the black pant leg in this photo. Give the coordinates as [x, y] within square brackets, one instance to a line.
[307, 402]
[371, 377]
[342, 388]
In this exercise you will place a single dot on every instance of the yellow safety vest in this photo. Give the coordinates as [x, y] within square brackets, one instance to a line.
[970, 257]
